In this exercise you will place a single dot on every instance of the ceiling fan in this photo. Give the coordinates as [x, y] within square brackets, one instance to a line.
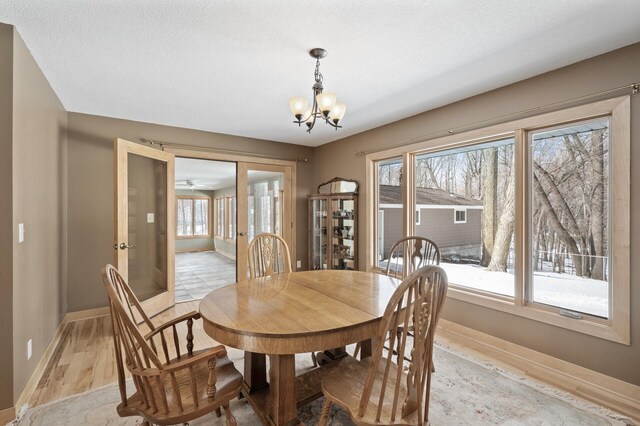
[189, 184]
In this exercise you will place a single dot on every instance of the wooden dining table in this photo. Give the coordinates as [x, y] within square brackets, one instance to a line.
[292, 313]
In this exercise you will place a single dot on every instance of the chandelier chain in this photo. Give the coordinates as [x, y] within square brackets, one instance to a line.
[317, 74]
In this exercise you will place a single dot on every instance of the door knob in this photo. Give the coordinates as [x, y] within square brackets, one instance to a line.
[242, 234]
[126, 246]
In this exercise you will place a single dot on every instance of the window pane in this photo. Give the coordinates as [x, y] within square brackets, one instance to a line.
[569, 217]
[466, 199]
[201, 217]
[185, 217]
[231, 201]
[220, 224]
[389, 229]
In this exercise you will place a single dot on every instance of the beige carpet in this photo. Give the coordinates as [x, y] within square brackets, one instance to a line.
[464, 392]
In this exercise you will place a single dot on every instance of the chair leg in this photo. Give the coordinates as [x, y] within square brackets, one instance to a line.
[231, 421]
[314, 359]
[356, 351]
[324, 414]
[218, 412]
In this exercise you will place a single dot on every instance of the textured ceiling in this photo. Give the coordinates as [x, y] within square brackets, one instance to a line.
[231, 66]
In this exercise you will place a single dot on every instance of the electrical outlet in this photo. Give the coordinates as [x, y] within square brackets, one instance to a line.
[20, 232]
[150, 218]
[299, 264]
[29, 349]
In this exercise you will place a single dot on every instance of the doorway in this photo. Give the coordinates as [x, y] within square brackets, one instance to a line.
[206, 219]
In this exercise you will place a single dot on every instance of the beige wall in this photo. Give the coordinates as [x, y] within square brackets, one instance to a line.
[39, 144]
[601, 73]
[6, 215]
[90, 192]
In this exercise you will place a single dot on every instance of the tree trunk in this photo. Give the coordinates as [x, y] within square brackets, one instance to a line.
[597, 206]
[490, 202]
[557, 226]
[502, 241]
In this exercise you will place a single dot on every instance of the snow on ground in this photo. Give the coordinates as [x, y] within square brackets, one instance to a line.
[551, 288]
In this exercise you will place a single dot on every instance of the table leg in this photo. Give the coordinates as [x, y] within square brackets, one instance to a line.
[331, 355]
[282, 394]
[367, 346]
[255, 371]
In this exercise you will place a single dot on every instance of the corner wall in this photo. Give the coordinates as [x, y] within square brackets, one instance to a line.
[600, 73]
[39, 149]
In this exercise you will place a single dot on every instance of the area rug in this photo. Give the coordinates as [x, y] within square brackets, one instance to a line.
[464, 392]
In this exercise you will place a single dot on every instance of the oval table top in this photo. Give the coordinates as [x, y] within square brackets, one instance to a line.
[299, 311]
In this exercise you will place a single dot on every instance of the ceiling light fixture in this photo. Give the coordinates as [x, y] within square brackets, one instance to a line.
[324, 106]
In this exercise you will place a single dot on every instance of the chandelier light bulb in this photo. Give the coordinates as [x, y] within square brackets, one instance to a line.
[326, 101]
[298, 106]
[337, 112]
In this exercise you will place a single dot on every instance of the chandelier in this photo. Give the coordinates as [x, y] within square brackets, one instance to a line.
[324, 105]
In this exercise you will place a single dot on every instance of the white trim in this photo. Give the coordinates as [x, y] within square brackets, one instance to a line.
[455, 215]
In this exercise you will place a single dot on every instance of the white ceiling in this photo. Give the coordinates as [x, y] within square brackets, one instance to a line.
[231, 66]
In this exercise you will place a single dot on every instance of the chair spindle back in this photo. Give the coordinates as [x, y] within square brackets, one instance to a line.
[268, 255]
[411, 253]
[418, 301]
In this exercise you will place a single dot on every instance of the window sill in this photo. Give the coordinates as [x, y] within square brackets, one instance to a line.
[192, 237]
[604, 330]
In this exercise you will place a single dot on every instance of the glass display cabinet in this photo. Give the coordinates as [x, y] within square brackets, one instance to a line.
[333, 225]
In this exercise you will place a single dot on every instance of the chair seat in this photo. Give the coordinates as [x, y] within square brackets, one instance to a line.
[228, 384]
[344, 386]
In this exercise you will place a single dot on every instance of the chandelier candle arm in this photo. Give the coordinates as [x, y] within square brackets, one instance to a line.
[324, 103]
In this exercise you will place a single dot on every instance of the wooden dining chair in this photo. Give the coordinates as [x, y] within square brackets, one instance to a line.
[409, 254]
[269, 255]
[419, 250]
[388, 389]
[173, 383]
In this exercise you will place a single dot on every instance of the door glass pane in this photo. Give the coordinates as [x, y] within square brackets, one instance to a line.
[466, 199]
[265, 202]
[570, 217]
[389, 208]
[343, 234]
[319, 239]
[147, 187]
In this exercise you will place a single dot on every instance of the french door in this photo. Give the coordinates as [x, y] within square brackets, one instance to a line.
[265, 205]
[145, 223]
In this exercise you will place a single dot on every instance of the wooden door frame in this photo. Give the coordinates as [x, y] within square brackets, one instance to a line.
[257, 162]
[122, 149]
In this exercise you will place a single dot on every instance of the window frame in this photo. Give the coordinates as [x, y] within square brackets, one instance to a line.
[193, 218]
[455, 215]
[217, 218]
[617, 327]
[230, 235]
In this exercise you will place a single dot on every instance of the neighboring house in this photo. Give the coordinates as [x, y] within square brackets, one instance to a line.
[453, 222]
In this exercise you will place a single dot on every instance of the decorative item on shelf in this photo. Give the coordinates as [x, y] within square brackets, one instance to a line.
[341, 251]
[345, 231]
[324, 105]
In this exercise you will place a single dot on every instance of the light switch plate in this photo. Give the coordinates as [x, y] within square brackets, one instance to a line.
[150, 218]
[20, 232]
[29, 349]
[299, 264]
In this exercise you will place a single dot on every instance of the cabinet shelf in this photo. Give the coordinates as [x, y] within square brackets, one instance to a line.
[328, 249]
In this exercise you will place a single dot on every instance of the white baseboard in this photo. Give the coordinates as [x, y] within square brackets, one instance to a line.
[599, 388]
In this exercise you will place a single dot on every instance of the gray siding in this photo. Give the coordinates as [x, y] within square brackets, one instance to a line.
[438, 225]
